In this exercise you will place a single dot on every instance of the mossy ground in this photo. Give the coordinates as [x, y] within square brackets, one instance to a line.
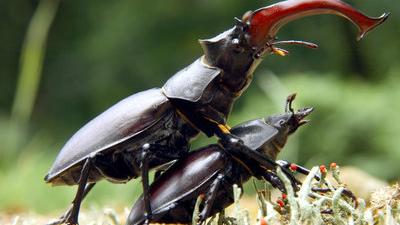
[302, 207]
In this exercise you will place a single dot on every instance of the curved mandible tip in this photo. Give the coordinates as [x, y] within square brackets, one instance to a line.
[370, 24]
[265, 22]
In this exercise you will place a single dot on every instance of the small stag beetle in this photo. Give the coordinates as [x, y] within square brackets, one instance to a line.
[211, 171]
[139, 132]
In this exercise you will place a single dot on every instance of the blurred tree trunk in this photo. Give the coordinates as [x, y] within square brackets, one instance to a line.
[356, 62]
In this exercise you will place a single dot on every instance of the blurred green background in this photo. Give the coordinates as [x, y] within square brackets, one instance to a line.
[62, 63]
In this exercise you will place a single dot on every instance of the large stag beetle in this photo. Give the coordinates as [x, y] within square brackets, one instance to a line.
[138, 133]
[211, 171]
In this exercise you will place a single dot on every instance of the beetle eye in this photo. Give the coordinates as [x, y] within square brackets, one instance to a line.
[282, 122]
[236, 45]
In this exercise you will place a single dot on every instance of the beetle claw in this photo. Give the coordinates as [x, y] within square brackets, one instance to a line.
[64, 219]
[264, 23]
[302, 122]
[231, 141]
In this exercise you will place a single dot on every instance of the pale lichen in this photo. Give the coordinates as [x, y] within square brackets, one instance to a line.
[306, 206]
[333, 205]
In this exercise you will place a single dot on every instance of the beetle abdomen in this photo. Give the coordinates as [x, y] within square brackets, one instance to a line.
[186, 177]
[121, 122]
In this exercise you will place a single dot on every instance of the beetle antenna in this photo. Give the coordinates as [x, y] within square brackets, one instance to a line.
[279, 51]
[295, 42]
[239, 22]
[289, 101]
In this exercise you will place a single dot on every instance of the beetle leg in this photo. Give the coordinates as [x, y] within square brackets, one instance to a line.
[72, 217]
[88, 188]
[346, 192]
[233, 144]
[144, 167]
[299, 168]
[158, 214]
[210, 197]
[236, 146]
[217, 119]
[213, 115]
[67, 214]
[274, 180]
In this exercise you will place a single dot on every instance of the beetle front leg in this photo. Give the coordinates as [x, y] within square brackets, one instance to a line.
[144, 167]
[210, 197]
[236, 146]
[273, 179]
[298, 168]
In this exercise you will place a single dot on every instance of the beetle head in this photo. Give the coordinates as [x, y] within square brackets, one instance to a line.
[230, 50]
[255, 34]
[288, 122]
